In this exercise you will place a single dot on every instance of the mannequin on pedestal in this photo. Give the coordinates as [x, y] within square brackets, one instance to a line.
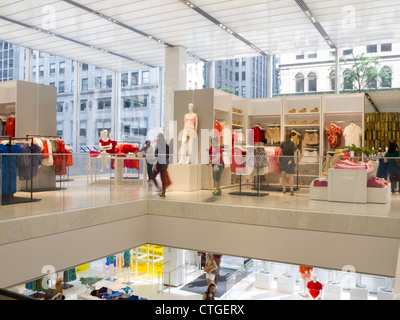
[305, 275]
[314, 288]
[111, 270]
[127, 266]
[107, 146]
[189, 134]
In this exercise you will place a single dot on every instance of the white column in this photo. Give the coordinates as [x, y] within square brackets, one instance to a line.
[115, 98]
[270, 77]
[29, 65]
[175, 79]
[77, 94]
[337, 72]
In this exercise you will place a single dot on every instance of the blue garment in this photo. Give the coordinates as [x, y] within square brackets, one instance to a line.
[7, 159]
[382, 171]
[28, 159]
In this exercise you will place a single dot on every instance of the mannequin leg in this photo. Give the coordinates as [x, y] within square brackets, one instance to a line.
[183, 153]
[190, 151]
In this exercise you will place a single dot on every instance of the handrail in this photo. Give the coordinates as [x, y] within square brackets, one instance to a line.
[13, 295]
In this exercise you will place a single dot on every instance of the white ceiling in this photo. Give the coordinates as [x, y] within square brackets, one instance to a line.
[274, 26]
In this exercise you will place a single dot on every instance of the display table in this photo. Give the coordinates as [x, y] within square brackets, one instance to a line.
[119, 166]
[384, 295]
[184, 177]
[347, 185]
[358, 293]
[286, 284]
[318, 193]
[333, 291]
[263, 280]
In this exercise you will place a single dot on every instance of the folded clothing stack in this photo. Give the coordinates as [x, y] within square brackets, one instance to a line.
[374, 182]
[320, 182]
[348, 164]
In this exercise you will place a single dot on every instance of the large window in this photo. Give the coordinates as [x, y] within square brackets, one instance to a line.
[312, 82]
[299, 83]
[387, 81]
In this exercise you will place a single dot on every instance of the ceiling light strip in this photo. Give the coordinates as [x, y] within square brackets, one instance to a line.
[223, 26]
[50, 33]
[123, 25]
[315, 22]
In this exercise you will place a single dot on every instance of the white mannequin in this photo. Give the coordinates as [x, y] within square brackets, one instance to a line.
[314, 279]
[189, 134]
[111, 271]
[103, 150]
[127, 271]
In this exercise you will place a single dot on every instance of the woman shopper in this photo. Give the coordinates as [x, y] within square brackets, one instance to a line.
[210, 269]
[161, 166]
[286, 162]
[149, 152]
[217, 163]
[209, 294]
[393, 168]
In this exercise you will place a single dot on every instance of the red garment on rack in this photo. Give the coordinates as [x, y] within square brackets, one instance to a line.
[10, 127]
[107, 143]
[277, 153]
[60, 159]
[238, 161]
[218, 131]
[125, 148]
[258, 134]
[334, 133]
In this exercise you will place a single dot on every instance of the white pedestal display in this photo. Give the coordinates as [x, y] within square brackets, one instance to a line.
[333, 291]
[184, 177]
[285, 284]
[384, 295]
[318, 193]
[378, 195]
[263, 280]
[359, 293]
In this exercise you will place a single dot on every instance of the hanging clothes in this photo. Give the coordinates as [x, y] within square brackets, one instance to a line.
[126, 148]
[29, 161]
[69, 275]
[60, 167]
[352, 135]
[10, 127]
[238, 161]
[259, 133]
[9, 164]
[273, 135]
[334, 133]
[47, 158]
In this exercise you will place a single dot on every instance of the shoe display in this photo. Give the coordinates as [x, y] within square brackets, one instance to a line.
[314, 122]
[304, 110]
[303, 122]
[292, 123]
[292, 111]
[314, 110]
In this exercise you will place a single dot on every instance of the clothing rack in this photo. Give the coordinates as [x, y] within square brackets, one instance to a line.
[250, 194]
[9, 198]
[39, 136]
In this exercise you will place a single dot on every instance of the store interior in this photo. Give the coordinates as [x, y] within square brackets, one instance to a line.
[145, 278]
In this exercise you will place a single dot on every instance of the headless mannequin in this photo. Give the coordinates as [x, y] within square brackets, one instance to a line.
[111, 270]
[126, 267]
[306, 274]
[103, 150]
[189, 134]
[314, 280]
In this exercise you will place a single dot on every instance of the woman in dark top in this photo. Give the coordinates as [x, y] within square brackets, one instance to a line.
[161, 166]
[286, 162]
[393, 169]
[209, 294]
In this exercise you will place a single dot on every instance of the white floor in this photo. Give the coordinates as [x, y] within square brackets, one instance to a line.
[80, 193]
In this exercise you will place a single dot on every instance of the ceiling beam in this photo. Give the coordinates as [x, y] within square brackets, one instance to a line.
[367, 95]
[130, 28]
[315, 23]
[91, 46]
[223, 26]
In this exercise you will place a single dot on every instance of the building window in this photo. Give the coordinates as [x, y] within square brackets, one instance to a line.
[386, 47]
[244, 76]
[243, 62]
[243, 91]
[124, 80]
[299, 82]
[59, 129]
[61, 86]
[85, 84]
[387, 81]
[85, 67]
[139, 101]
[347, 52]
[219, 69]
[236, 62]
[236, 76]
[300, 56]
[61, 69]
[104, 104]
[98, 83]
[34, 72]
[332, 80]
[72, 86]
[312, 55]
[373, 48]
[102, 125]
[347, 81]
[237, 91]
[135, 78]
[52, 84]
[82, 129]
[109, 82]
[60, 106]
[83, 105]
[52, 69]
[312, 82]
[145, 77]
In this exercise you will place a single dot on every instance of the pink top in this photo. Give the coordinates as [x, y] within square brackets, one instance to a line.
[190, 121]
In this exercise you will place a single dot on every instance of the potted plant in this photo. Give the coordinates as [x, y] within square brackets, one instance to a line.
[89, 282]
